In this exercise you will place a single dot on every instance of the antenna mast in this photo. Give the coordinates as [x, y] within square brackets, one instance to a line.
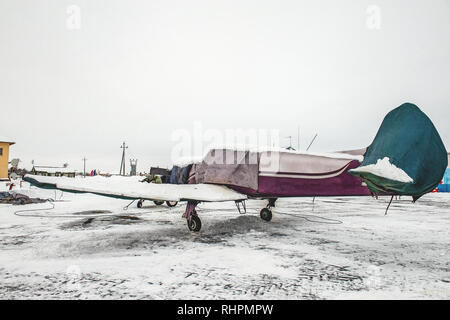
[290, 143]
[311, 142]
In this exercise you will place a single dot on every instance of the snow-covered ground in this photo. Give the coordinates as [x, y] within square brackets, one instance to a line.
[75, 251]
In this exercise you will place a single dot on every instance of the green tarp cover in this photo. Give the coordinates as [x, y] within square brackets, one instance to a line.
[410, 140]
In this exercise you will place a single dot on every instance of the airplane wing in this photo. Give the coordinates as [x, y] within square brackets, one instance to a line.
[130, 188]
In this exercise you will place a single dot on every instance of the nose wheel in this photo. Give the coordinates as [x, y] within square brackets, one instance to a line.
[266, 214]
[194, 223]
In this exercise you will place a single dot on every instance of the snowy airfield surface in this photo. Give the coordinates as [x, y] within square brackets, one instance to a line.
[76, 252]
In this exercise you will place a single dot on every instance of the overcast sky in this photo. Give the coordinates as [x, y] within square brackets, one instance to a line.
[136, 71]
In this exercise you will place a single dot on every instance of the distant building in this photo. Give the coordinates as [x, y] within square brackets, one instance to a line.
[4, 157]
[50, 171]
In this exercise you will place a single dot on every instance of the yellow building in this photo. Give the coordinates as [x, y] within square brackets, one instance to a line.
[4, 157]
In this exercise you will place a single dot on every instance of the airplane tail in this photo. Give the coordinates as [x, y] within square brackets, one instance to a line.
[407, 156]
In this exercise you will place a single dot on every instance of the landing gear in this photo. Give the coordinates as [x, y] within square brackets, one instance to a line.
[193, 221]
[171, 203]
[158, 203]
[266, 213]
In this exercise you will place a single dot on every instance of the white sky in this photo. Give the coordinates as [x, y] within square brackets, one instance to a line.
[137, 71]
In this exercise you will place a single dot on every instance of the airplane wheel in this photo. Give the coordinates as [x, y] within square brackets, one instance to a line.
[265, 214]
[194, 223]
[171, 203]
[158, 203]
[139, 204]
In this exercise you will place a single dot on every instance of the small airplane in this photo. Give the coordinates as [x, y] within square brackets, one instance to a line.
[407, 157]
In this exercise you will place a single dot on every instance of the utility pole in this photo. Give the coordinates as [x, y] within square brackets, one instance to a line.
[298, 138]
[122, 164]
[84, 167]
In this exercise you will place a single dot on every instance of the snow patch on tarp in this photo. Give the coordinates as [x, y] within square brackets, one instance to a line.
[411, 142]
[385, 169]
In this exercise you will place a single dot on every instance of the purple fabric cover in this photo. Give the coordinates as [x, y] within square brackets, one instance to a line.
[279, 174]
[229, 167]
